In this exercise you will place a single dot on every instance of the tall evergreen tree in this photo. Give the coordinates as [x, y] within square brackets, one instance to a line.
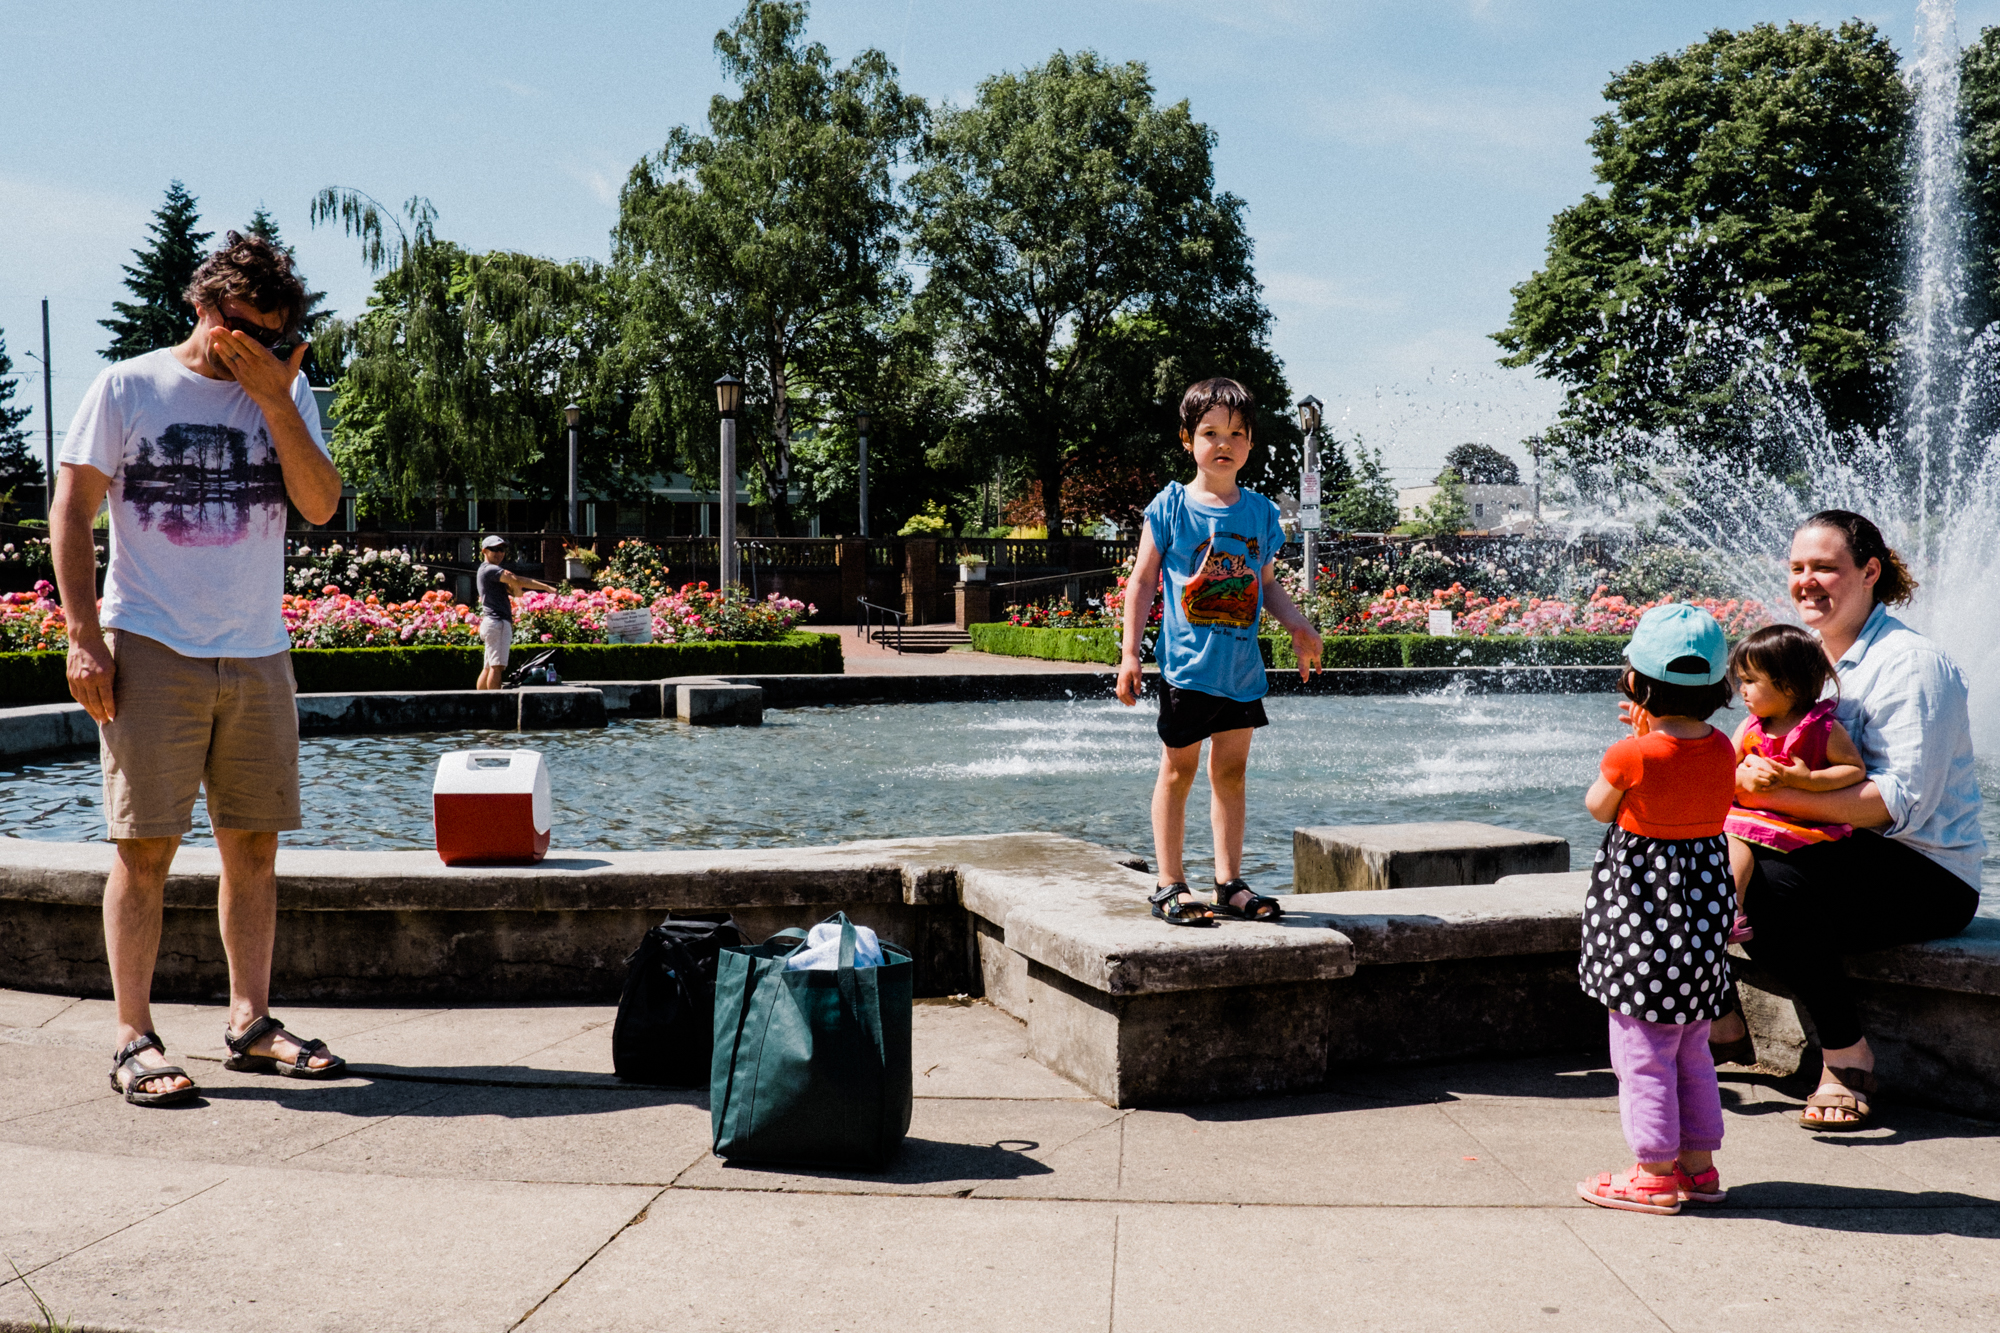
[18, 465]
[159, 317]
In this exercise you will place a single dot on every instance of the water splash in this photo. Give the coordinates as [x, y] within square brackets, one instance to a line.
[1931, 481]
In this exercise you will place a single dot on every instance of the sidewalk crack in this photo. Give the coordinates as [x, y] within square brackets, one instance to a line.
[1617, 1276]
[23, 1274]
[631, 1222]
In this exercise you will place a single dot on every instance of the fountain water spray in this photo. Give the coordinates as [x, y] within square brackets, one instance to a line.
[1932, 480]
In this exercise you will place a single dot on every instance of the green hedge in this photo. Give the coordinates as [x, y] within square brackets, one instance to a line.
[34, 678]
[1342, 650]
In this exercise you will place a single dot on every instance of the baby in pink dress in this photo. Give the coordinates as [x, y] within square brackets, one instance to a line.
[1791, 739]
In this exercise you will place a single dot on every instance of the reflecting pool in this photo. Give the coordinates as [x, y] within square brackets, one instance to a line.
[819, 775]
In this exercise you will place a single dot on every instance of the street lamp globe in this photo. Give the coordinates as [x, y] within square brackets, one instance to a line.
[572, 414]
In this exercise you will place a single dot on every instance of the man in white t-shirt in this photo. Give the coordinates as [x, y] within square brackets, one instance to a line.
[186, 665]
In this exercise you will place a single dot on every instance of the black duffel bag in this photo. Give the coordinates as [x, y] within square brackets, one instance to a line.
[665, 1031]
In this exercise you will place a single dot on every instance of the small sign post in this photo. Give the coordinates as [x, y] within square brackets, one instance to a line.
[633, 626]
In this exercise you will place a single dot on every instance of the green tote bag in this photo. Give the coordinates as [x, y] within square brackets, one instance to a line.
[811, 1067]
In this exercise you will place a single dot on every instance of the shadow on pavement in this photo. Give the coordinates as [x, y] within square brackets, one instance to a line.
[1875, 1211]
[926, 1162]
[524, 1100]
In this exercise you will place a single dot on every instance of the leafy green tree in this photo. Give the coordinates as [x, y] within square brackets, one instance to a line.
[1481, 465]
[1445, 513]
[767, 247]
[1366, 502]
[1081, 259]
[158, 317]
[1979, 114]
[452, 380]
[19, 465]
[263, 224]
[1754, 177]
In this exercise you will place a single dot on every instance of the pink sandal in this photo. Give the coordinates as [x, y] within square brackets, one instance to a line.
[1703, 1188]
[1632, 1192]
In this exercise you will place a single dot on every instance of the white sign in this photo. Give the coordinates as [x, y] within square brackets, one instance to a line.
[1441, 624]
[1309, 489]
[1308, 518]
[634, 626]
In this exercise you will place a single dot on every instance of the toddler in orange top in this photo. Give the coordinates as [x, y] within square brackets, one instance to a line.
[1659, 908]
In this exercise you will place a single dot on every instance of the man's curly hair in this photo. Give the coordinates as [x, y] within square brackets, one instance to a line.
[252, 270]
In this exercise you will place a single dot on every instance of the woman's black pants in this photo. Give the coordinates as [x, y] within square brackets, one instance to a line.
[1811, 906]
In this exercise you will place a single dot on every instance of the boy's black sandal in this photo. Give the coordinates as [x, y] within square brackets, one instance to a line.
[1259, 908]
[300, 1067]
[1175, 910]
[126, 1060]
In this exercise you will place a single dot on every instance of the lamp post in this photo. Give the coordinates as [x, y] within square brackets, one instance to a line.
[728, 400]
[572, 414]
[1309, 415]
[48, 420]
[861, 427]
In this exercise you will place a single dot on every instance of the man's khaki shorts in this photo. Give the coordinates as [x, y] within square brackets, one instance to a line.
[230, 724]
[498, 636]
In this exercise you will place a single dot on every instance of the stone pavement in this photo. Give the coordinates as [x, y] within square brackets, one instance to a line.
[483, 1171]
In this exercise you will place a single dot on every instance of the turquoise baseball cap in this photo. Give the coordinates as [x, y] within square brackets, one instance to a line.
[1673, 631]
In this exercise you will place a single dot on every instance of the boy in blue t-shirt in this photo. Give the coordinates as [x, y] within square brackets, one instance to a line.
[1218, 546]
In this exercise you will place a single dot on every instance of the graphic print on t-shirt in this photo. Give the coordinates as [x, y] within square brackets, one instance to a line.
[1223, 588]
[201, 485]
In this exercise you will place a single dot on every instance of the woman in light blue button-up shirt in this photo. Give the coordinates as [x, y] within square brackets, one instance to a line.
[1909, 871]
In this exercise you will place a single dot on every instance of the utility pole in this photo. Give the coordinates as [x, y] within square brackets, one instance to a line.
[48, 422]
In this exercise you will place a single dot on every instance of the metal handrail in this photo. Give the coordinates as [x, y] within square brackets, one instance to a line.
[1058, 578]
[867, 626]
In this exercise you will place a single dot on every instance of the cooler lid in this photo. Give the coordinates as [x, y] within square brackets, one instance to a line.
[498, 773]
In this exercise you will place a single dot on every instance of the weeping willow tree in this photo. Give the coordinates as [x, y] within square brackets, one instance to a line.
[453, 378]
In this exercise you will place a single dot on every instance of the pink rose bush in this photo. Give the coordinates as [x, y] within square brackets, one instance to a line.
[693, 613]
[1397, 611]
[31, 622]
[336, 620]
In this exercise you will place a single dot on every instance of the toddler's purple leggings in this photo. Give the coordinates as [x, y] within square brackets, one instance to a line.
[1666, 1087]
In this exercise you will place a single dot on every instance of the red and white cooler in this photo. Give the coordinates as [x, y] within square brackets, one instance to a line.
[492, 807]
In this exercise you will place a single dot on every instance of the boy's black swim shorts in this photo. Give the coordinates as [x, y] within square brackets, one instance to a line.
[1189, 716]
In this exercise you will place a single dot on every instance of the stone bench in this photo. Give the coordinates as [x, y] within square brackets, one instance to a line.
[1054, 931]
[1931, 1011]
[1343, 857]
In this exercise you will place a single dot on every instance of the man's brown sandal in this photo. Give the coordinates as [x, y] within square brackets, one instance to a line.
[301, 1066]
[126, 1061]
[1857, 1086]
[1175, 910]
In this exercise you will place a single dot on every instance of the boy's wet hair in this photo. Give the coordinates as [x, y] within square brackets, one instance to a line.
[1218, 392]
[1663, 698]
[1788, 657]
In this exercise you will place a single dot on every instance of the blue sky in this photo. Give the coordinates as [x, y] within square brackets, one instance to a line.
[1400, 161]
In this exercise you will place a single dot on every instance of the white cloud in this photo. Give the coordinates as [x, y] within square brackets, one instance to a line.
[1461, 125]
[520, 90]
[1296, 293]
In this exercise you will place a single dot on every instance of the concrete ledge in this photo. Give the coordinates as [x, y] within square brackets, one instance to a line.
[41, 728]
[1340, 858]
[715, 703]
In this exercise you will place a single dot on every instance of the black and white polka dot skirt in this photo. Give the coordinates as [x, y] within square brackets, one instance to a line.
[1655, 927]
